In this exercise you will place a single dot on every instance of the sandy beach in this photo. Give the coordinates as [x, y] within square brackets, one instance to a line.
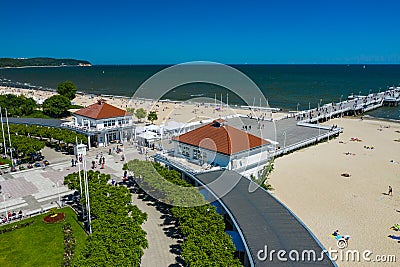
[309, 182]
[166, 111]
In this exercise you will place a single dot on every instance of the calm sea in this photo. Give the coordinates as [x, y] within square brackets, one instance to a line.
[285, 86]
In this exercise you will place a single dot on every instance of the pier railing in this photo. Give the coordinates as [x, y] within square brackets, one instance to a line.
[358, 104]
[307, 142]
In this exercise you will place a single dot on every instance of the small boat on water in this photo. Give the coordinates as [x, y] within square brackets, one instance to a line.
[197, 95]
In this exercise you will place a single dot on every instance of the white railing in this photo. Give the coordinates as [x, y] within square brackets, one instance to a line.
[175, 163]
[72, 126]
[306, 142]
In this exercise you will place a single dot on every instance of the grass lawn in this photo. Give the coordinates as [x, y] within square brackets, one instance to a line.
[39, 244]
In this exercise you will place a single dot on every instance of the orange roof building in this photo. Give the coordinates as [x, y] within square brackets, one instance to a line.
[219, 144]
[101, 110]
[102, 123]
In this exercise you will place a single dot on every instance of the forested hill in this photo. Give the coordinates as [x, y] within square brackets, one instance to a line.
[41, 61]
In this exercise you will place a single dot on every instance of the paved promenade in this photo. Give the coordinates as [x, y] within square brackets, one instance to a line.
[161, 232]
[39, 189]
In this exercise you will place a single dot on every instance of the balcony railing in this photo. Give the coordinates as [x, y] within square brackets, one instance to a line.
[72, 126]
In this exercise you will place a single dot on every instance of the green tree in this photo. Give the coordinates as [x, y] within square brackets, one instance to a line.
[117, 238]
[18, 105]
[131, 110]
[67, 89]
[56, 106]
[152, 116]
[265, 176]
[140, 113]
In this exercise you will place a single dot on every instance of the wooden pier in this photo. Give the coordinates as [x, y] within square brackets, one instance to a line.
[354, 105]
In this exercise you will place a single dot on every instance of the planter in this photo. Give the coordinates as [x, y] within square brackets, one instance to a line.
[58, 217]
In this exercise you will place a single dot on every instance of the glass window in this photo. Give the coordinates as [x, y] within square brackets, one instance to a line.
[186, 151]
[109, 123]
[196, 153]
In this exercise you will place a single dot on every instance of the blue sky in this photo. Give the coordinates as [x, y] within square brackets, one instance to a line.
[169, 32]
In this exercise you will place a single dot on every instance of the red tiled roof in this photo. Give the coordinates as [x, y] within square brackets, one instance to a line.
[101, 110]
[222, 138]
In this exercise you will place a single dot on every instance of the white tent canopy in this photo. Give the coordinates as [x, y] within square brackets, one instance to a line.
[147, 138]
[152, 127]
[174, 126]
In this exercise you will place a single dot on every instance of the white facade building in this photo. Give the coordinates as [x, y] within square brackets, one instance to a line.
[102, 123]
[218, 144]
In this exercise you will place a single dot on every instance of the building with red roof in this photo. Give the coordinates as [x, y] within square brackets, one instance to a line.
[102, 123]
[219, 144]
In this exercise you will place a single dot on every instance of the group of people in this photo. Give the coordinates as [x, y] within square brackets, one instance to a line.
[102, 161]
[10, 216]
[246, 127]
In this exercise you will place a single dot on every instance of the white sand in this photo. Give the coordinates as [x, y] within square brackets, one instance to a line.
[309, 182]
[166, 111]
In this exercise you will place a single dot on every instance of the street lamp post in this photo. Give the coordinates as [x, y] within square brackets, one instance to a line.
[284, 139]
[341, 106]
[58, 192]
[297, 108]
[86, 186]
[10, 149]
[2, 130]
[4, 202]
[9, 139]
[319, 131]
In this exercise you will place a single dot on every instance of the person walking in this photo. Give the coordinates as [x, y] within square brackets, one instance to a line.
[390, 192]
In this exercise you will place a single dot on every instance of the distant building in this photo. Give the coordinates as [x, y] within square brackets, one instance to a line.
[218, 144]
[102, 123]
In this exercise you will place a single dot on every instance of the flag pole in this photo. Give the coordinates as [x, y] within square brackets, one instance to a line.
[9, 139]
[2, 129]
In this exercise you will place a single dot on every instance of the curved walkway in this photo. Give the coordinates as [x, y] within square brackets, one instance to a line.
[267, 225]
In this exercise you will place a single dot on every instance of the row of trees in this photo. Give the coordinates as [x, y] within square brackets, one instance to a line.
[22, 146]
[117, 238]
[55, 106]
[28, 139]
[53, 135]
[41, 61]
[17, 106]
[205, 242]
[165, 186]
[140, 113]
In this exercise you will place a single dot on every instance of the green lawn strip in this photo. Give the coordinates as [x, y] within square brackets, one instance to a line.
[39, 244]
